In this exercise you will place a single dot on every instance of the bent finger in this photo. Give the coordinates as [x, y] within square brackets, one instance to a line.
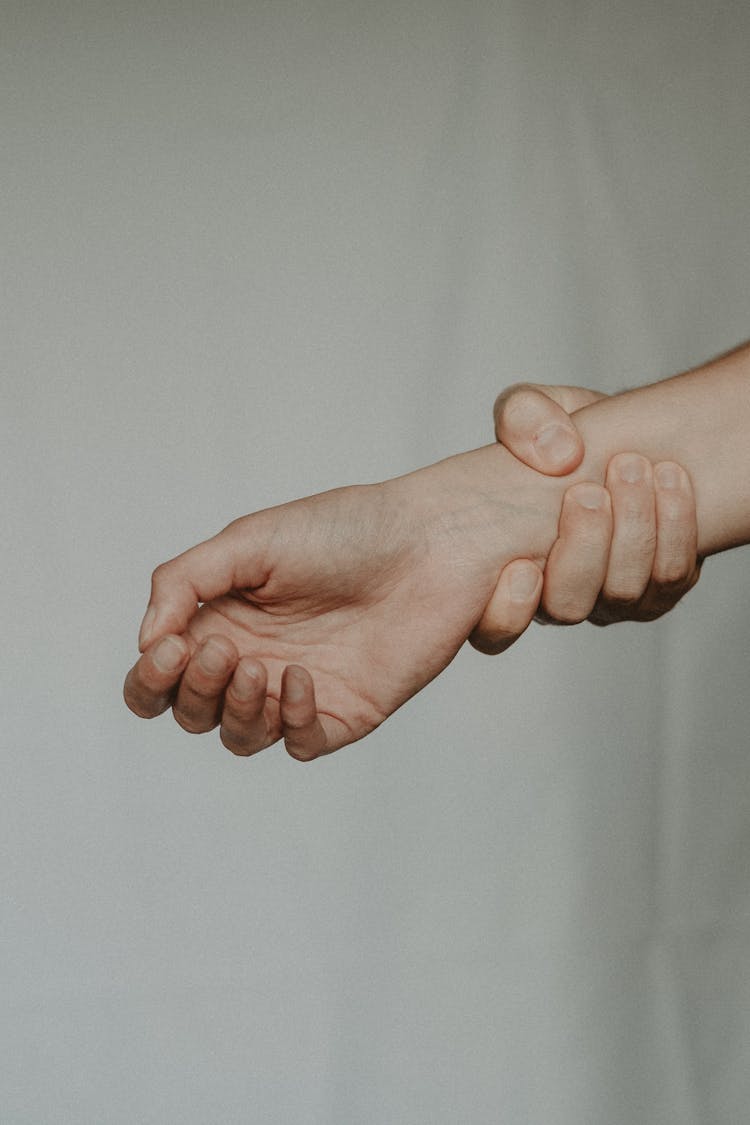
[676, 526]
[511, 608]
[151, 683]
[304, 735]
[206, 571]
[631, 485]
[676, 565]
[200, 696]
[577, 564]
[245, 722]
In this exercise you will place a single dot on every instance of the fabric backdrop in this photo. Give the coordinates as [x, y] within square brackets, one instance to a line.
[255, 250]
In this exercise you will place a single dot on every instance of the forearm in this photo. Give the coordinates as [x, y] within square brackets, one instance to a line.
[494, 509]
[701, 419]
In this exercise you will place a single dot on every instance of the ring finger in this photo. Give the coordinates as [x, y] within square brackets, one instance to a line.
[245, 728]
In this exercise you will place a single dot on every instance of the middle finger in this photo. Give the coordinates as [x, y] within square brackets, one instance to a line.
[199, 701]
[630, 484]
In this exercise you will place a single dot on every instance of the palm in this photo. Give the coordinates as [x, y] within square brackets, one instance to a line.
[327, 614]
[349, 592]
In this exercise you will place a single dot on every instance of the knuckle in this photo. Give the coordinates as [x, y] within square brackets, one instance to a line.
[645, 545]
[635, 510]
[566, 610]
[491, 643]
[675, 507]
[612, 611]
[571, 615]
[520, 587]
[671, 574]
[622, 595]
[602, 617]
[300, 755]
[161, 575]
[634, 549]
[143, 703]
[675, 580]
[140, 709]
[655, 603]
[235, 745]
[204, 694]
[675, 562]
[191, 724]
[297, 724]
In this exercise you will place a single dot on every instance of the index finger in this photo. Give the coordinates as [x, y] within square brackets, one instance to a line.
[151, 683]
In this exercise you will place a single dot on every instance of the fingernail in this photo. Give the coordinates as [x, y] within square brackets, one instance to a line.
[244, 683]
[631, 469]
[523, 583]
[557, 443]
[168, 655]
[294, 685]
[212, 658]
[667, 475]
[589, 496]
[147, 627]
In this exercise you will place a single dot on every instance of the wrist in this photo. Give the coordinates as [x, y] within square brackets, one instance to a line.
[698, 419]
[481, 509]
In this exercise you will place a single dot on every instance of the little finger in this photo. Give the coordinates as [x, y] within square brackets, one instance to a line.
[676, 565]
[511, 608]
[304, 735]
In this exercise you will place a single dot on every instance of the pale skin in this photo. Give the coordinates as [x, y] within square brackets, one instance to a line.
[321, 617]
[366, 593]
[626, 551]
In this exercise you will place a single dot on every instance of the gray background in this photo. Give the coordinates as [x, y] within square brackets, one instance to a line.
[254, 250]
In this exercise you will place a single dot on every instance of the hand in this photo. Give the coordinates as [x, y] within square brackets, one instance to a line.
[321, 617]
[626, 551]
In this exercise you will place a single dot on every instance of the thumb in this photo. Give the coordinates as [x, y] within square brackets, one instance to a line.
[533, 423]
[206, 571]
